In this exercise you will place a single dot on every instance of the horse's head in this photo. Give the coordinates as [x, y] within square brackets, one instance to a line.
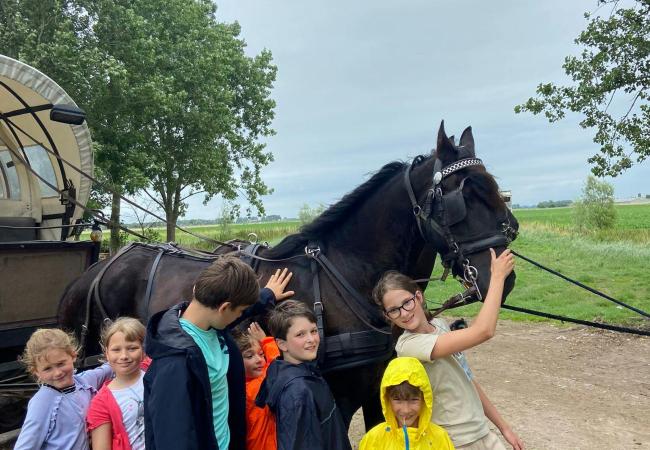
[460, 211]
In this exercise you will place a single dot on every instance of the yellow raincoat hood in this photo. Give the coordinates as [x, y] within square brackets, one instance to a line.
[411, 370]
[390, 435]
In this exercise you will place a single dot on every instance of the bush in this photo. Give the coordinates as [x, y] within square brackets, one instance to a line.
[307, 214]
[595, 209]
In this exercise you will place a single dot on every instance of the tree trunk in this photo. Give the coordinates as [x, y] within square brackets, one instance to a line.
[114, 223]
[172, 211]
[171, 226]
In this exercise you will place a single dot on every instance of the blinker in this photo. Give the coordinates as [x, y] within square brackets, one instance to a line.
[454, 206]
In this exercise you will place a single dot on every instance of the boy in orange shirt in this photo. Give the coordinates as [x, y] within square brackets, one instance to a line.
[258, 350]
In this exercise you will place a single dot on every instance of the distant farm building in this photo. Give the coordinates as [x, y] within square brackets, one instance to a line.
[507, 197]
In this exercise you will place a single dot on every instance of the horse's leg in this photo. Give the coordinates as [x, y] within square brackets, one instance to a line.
[372, 413]
[371, 402]
[347, 408]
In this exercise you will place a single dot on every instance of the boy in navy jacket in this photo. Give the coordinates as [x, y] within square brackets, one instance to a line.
[194, 390]
[306, 414]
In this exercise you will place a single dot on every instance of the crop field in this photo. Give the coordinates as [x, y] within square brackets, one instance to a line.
[271, 232]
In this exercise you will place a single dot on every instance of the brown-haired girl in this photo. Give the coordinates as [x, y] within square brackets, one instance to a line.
[462, 407]
[116, 415]
[55, 415]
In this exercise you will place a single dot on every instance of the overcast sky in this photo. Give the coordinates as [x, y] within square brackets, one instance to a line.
[360, 84]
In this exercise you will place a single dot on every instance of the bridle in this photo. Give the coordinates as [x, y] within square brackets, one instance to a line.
[442, 210]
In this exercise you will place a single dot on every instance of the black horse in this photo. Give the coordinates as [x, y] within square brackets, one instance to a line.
[443, 203]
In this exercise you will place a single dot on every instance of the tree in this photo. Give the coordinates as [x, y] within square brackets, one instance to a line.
[595, 209]
[307, 214]
[202, 104]
[611, 86]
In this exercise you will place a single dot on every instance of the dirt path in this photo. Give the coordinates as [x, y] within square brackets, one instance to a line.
[565, 388]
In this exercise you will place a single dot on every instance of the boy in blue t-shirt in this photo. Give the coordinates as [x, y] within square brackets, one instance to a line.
[194, 389]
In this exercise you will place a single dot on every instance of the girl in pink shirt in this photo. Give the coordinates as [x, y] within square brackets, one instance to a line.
[116, 415]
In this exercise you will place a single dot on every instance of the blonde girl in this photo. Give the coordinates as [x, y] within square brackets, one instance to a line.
[56, 413]
[461, 406]
[116, 415]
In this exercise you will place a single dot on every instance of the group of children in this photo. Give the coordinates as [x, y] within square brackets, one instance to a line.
[209, 385]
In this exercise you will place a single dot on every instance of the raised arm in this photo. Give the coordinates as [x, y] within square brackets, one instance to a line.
[273, 292]
[484, 325]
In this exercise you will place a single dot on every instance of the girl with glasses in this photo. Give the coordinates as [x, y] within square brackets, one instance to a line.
[461, 406]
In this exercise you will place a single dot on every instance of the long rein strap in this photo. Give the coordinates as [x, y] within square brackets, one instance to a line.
[105, 187]
[604, 326]
[582, 285]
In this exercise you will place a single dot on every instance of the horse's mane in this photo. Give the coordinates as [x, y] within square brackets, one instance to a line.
[483, 184]
[486, 187]
[336, 212]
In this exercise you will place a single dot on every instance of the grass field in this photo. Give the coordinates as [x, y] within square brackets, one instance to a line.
[616, 262]
[271, 232]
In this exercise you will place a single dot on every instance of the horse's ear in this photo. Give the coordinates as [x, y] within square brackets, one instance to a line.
[446, 151]
[467, 142]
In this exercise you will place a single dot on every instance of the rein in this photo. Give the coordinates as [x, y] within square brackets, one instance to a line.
[604, 326]
[461, 299]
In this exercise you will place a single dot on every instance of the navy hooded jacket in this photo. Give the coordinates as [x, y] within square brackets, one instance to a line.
[177, 392]
[305, 412]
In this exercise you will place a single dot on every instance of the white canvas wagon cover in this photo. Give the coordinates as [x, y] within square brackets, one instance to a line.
[25, 94]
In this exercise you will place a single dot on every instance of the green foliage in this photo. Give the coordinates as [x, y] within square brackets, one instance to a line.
[200, 105]
[172, 100]
[151, 235]
[554, 203]
[229, 212]
[123, 239]
[610, 86]
[307, 213]
[595, 209]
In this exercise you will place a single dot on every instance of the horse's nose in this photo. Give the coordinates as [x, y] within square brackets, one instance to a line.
[482, 262]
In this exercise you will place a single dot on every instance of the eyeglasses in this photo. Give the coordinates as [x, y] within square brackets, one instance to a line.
[407, 305]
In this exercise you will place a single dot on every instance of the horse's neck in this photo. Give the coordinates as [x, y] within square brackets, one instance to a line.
[382, 233]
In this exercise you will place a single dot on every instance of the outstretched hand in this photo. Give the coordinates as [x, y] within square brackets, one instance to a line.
[278, 283]
[502, 265]
[255, 332]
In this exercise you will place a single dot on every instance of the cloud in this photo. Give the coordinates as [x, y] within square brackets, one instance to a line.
[364, 83]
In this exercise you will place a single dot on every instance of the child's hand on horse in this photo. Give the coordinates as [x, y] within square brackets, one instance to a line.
[255, 332]
[278, 283]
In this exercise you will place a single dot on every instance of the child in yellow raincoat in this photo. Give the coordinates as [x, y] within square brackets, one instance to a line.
[407, 402]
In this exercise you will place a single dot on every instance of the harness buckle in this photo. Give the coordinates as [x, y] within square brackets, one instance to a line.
[320, 306]
[417, 210]
[312, 252]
